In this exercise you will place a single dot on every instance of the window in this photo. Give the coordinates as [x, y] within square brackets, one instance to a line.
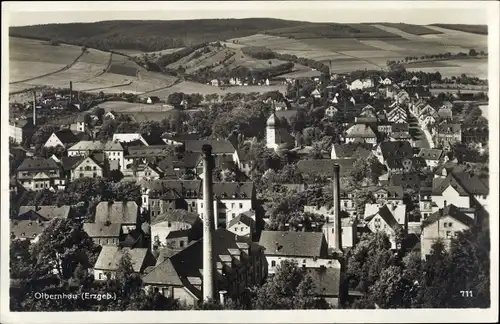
[94, 175]
[236, 229]
[273, 263]
[100, 276]
[81, 175]
[181, 243]
[95, 168]
[304, 261]
[232, 205]
[36, 185]
[241, 205]
[201, 205]
[448, 234]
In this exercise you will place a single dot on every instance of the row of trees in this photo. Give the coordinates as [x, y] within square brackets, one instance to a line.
[265, 53]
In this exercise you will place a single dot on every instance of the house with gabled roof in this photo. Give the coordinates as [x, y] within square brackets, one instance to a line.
[112, 150]
[103, 233]
[173, 221]
[92, 166]
[39, 174]
[109, 259]
[393, 150]
[125, 213]
[361, 133]
[397, 115]
[308, 249]
[64, 137]
[243, 224]
[432, 157]
[444, 225]
[446, 134]
[383, 220]
[179, 275]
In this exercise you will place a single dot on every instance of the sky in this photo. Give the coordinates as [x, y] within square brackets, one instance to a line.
[412, 12]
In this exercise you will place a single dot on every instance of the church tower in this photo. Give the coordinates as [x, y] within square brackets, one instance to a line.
[272, 129]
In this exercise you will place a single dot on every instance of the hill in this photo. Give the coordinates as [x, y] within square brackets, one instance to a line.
[148, 35]
[474, 29]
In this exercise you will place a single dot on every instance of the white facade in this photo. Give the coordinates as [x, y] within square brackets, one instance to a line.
[16, 134]
[273, 261]
[377, 224]
[445, 228]
[361, 84]
[234, 207]
[241, 229]
[128, 137]
[160, 231]
[451, 196]
[53, 141]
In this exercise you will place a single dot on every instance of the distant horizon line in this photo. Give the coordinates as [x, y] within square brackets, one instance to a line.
[247, 18]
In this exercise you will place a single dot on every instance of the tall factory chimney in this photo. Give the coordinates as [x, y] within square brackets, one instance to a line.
[34, 107]
[70, 91]
[337, 236]
[208, 224]
[297, 85]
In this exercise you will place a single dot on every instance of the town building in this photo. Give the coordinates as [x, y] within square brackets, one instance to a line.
[173, 221]
[361, 133]
[109, 259]
[64, 138]
[39, 174]
[19, 130]
[243, 224]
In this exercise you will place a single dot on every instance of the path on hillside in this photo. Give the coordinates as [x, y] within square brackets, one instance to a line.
[67, 67]
[106, 68]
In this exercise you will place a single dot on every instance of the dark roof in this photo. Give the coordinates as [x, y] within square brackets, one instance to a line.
[118, 212]
[182, 137]
[430, 154]
[396, 149]
[218, 147]
[178, 233]
[69, 162]
[387, 216]
[392, 191]
[102, 230]
[176, 216]
[299, 244]
[449, 210]
[248, 221]
[149, 151]
[37, 164]
[472, 183]
[400, 127]
[66, 136]
[23, 123]
[237, 190]
[326, 280]
[445, 128]
[324, 167]
[405, 180]
[47, 212]
[153, 140]
[184, 267]
[360, 131]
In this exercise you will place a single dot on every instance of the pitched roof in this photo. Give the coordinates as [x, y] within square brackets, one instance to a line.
[430, 154]
[37, 164]
[449, 210]
[385, 213]
[69, 162]
[110, 256]
[324, 167]
[66, 136]
[178, 233]
[360, 131]
[350, 149]
[237, 190]
[405, 180]
[26, 228]
[248, 221]
[445, 128]
[218, 146]
[299, 244]
[96, 146]
[472, 183]
[118, 212]
[176, 216]
[48, 212]
[184, 267]
[396, 149]
[326, 280]
[102, 230]
[439, 185]
[149, 151]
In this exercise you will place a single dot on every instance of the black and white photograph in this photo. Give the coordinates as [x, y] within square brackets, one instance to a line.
[247, 161]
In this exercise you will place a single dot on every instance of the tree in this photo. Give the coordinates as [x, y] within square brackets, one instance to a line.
[391, 290]
[62, 246]
[43, 133]
[289, 288]
[175, 98]
[472, 52]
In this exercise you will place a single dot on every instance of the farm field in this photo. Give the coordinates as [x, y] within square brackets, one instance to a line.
[475, 29]
[412, 29]
[124, 107]
[192, 87]
[472, 67]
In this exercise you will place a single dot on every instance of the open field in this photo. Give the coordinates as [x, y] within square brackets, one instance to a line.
[192, 87]
[474, 29]
[126, 107]
[411, 29]
[88, 73]
[472, 67]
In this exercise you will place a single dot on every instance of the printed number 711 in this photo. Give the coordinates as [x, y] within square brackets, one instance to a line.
[466, 293]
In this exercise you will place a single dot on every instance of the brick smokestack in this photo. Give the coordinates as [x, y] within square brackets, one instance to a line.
[337, 236]
[34, 107]
[70, 91]
[208, 223]
[297, 85]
